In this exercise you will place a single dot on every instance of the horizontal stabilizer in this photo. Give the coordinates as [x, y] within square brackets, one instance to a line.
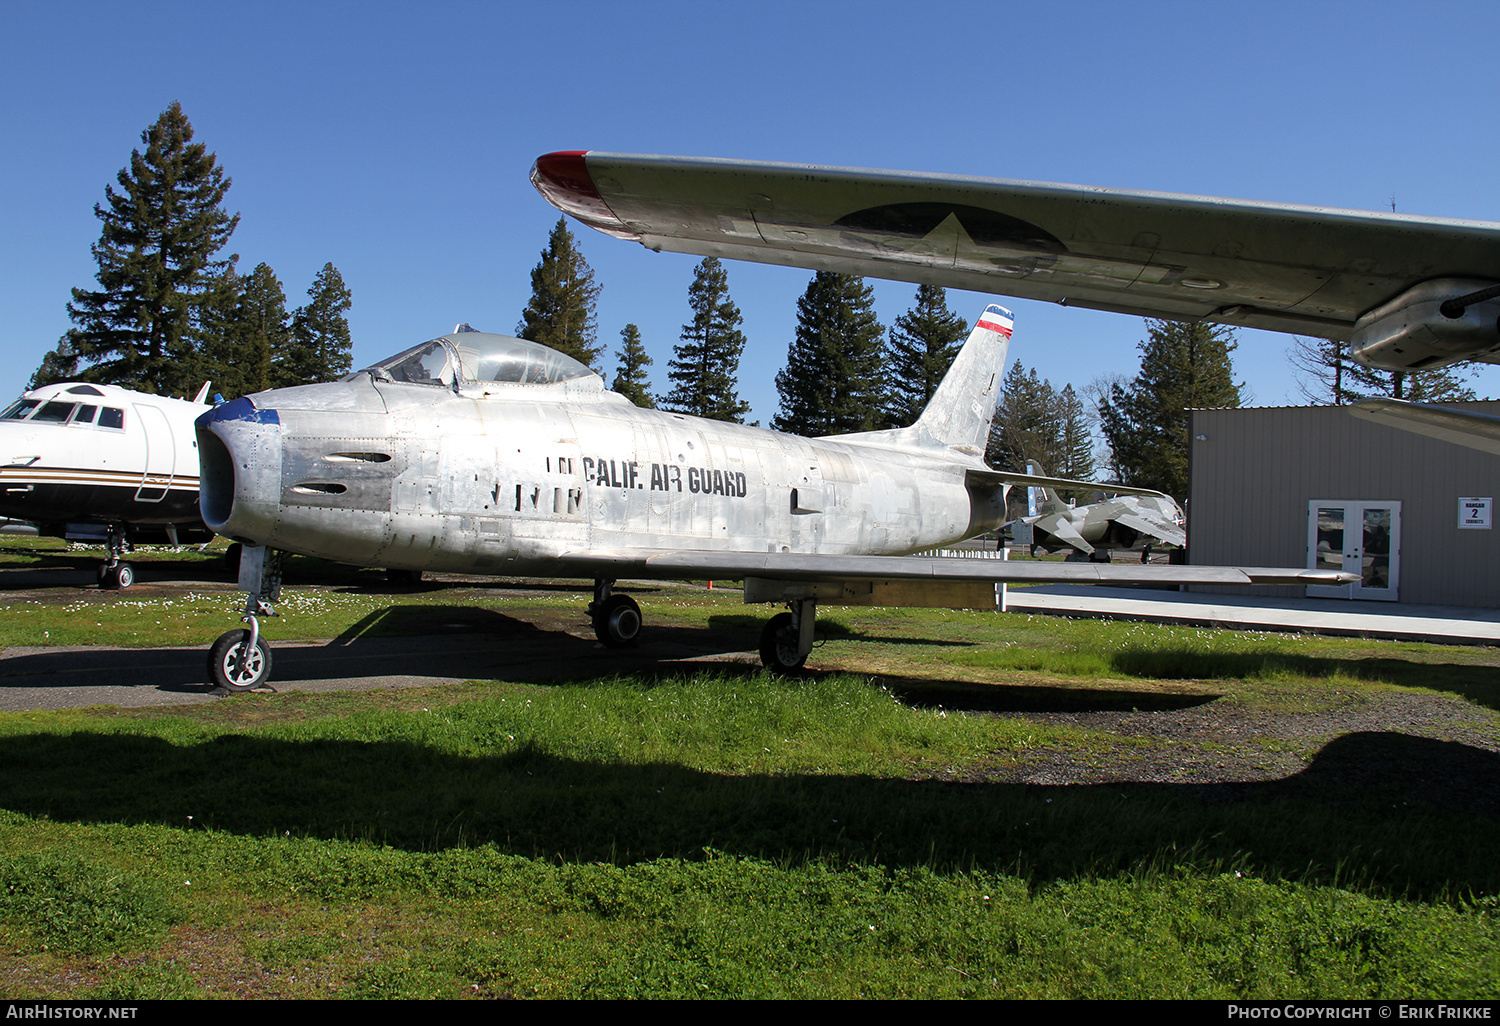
[1005, 477]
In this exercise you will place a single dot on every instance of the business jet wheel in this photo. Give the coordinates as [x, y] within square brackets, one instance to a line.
[404, 578]
[778, 645]
[617, 621]
[118, 577]
[225, 654]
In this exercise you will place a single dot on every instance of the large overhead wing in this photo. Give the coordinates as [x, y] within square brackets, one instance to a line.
[793, 566]
[1316, 271]
[1462, 427]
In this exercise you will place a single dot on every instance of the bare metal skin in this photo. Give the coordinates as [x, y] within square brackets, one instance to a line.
[481, 453]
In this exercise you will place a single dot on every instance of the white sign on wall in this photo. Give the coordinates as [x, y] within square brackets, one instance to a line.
[1474, 512]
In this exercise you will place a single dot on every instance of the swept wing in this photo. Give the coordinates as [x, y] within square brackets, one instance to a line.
[693, 564]
[1462, 427]
[1376, 278]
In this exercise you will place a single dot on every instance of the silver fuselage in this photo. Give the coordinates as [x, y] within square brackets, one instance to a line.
[511, 478]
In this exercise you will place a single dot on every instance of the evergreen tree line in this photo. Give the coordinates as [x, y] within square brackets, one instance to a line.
[170, 312]
[844, 372]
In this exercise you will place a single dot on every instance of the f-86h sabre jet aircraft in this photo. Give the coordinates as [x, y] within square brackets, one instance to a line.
[79, 457]
[480, 453]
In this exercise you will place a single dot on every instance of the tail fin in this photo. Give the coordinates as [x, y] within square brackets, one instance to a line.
[959, 414]
[1042, 500]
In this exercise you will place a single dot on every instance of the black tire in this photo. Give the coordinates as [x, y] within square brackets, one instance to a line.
[232, 557]
[123, 576]
[617, 622]
[224, 653]
[101, 574]
[404, 578]
[778, 645]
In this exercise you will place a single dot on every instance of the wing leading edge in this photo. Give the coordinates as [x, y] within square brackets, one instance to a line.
[1462, 427]
[1302, 269]
[792, 566]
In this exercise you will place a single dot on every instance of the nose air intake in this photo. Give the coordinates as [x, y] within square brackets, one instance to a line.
[216, 481]
[238, 446]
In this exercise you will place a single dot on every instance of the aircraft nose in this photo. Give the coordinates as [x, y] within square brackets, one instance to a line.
[239, 452]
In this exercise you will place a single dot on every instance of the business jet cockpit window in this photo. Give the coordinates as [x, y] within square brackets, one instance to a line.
[53, 413]
[20, 409]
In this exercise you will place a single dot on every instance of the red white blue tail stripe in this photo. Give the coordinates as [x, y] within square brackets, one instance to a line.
[997, 318]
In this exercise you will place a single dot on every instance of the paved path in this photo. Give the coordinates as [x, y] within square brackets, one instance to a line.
[66, 677]
[1441, 624]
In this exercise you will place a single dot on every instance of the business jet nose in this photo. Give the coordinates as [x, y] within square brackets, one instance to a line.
[239, 451]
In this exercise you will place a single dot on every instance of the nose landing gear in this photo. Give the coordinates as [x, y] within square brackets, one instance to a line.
[114, 574]
[240, 660]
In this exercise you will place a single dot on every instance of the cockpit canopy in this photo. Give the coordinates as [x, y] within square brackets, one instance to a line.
[474, 356]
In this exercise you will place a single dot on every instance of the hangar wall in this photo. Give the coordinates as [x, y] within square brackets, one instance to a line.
[1254, 471]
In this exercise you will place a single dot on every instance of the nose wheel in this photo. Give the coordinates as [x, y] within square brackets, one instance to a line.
[240, 660]
[114, 574]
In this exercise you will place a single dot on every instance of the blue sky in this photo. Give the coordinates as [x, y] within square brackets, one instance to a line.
[394, 139]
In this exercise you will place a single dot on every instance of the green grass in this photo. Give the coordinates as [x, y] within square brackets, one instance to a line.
[677, 832]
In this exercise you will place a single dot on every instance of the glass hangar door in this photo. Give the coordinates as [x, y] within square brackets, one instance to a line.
[1358, 537]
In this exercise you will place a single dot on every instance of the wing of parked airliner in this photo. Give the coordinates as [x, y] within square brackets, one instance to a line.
[1377, 279]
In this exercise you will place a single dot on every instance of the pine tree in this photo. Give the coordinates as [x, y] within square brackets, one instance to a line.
[1331, 377]
[832, 382]
[630, 379]
[267, 329]
[156, 265]
[1183, 366]
[60, 364]
[243, 327]
[318, 348]
[923, 343]
[706, 362]
[1027, 428]
[560, 312]
[1076, 449]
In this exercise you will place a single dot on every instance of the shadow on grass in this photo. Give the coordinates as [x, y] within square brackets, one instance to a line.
[1478, 684]
[827, 630]
[1379, 812]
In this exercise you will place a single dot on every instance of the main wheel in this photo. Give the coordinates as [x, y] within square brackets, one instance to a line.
[223, 659]
[404, 578]
[232, 557]
[617, 621]
[123, 576]
[778, 645]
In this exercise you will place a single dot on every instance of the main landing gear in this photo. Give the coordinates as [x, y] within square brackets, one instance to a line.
[787, 637]
[617, 619]
[114, 574]
[241, 660]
